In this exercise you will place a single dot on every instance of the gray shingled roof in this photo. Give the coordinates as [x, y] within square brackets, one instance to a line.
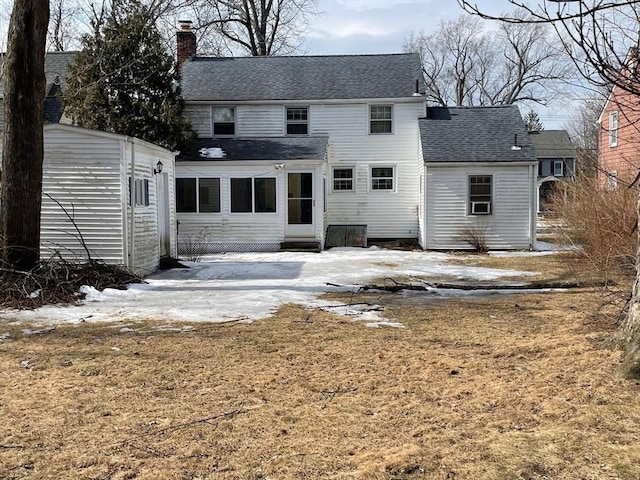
[553, 144]
[55, 65]
[301, 78]
[475, 134]
[262, 148]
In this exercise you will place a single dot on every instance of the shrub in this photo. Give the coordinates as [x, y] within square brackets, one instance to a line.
[476, 236]
[602, 222]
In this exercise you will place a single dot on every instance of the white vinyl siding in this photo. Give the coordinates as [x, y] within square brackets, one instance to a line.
[87, 174]
[447, 205]
[200, 118]
[260, 121]
[388, 214]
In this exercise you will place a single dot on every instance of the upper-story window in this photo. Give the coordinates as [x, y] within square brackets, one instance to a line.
[380, 119]
[224, 121]
[613, 129]
[558, 168]
[297, 121]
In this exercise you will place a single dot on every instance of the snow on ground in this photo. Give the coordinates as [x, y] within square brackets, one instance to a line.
[249, 286]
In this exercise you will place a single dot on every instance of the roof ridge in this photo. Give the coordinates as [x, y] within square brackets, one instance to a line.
[273, 57]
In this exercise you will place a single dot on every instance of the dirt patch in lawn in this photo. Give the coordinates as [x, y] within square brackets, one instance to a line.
[494, 387]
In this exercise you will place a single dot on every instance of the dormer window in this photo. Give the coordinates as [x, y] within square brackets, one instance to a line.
[297, 121]
[224, 121]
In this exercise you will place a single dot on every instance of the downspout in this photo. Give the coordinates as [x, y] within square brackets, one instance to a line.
[132, 249]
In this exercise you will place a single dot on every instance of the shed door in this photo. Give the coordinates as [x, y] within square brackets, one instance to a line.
[300, 205]
[164, 233]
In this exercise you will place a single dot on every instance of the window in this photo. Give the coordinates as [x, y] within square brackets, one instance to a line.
[141, 192]
[558, 168]
[343, 179]
[380, 119]
[480, 194]
[381, 178]
[224, 121]
[297, 121]
[612, 180]
[613, 129]
[198, 195]
[209, 195]
[253, 195]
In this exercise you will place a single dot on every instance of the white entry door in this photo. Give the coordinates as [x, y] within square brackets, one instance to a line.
[300, 205]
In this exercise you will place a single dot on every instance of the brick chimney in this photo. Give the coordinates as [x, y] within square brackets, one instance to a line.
[186, 42]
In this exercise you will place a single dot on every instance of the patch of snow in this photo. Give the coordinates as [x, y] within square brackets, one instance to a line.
[249, 286]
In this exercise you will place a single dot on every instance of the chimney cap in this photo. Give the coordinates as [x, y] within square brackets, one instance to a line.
[185, 24]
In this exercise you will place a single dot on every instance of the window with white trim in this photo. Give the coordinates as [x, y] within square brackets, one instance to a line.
[558, 168]
[224, 120]
[382, 178]
[380, 119]
[343, 179]
[480, 187]
[297, 121]
[253, 195]
[198, 195]
[613, 129]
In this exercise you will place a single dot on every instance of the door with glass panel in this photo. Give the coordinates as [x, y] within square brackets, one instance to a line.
[300, 204]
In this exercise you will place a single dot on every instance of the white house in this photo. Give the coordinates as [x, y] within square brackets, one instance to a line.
[334, 150]
[110, 186]
[289, 147]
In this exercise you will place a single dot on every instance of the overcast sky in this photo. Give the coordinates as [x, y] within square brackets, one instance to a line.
[380, 26]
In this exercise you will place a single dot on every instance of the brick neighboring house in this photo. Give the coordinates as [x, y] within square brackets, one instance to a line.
[618, 150]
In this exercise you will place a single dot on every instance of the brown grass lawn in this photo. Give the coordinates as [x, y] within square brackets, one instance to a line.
[493, 387]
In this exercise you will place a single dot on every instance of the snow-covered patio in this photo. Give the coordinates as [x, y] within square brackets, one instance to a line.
[249, 286]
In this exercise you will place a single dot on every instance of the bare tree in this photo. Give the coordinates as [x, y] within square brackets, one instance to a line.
[465, 64]
[22, 152]
[62, 25]
[603, 39]
[254, 27]
[584, 131]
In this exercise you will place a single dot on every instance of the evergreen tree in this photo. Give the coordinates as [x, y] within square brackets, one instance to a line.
[124, 81]
[532, 122]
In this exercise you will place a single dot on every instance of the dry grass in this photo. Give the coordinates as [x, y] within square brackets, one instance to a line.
[499, 387]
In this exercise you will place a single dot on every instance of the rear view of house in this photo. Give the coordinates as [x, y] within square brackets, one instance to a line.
[290, 146]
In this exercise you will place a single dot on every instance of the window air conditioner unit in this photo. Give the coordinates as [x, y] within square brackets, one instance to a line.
[480, 208]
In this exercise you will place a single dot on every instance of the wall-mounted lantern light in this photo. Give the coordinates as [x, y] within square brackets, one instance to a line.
[158, 168]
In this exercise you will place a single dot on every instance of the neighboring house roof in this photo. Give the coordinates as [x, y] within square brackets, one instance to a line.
[263, 148]
[553, 144]
[56, 65]
[475, 134]
[301, 78]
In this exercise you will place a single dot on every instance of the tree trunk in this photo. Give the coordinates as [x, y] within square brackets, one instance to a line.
[629, 332]
[22, 153]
